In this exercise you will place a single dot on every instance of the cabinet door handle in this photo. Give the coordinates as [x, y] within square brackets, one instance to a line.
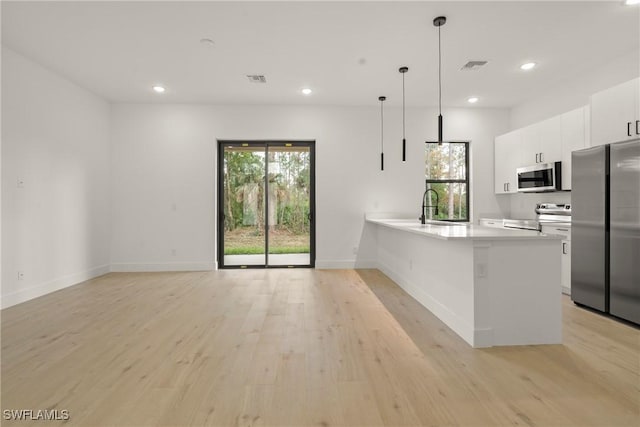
[628, 128]
[562, 229]
[637, 124]
[564, 248]
[537, 157]
[507, 186]
[541, 157]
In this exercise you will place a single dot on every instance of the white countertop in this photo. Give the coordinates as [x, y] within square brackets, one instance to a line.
[460, 231]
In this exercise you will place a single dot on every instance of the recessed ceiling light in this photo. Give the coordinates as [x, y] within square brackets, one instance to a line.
[528, 66]
[472, 99]
[158, 89]
[631, 2]
[306, 91]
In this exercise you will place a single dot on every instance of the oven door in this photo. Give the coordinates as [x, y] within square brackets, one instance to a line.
[539, 178]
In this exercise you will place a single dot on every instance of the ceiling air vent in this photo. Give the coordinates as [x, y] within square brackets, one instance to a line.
[473, 65]
[256, 78]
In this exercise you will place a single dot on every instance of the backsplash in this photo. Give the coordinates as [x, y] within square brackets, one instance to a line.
[523, 204]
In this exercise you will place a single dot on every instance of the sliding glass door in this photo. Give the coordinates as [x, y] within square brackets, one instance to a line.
[266, 204]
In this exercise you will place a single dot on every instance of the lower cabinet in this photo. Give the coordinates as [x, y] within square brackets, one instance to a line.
[566, 267]
[565, 253]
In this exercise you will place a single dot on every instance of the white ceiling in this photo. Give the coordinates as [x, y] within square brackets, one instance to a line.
[348, 53]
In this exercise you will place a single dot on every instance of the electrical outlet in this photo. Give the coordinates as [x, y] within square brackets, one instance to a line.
[20, 275]
[481, 270]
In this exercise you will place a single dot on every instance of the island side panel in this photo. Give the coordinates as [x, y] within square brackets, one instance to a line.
[518, 297]
[437, 273]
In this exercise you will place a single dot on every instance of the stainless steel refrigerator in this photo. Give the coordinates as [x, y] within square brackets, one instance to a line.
[605, 229]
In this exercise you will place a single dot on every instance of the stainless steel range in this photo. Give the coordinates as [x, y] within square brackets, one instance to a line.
[546, 213]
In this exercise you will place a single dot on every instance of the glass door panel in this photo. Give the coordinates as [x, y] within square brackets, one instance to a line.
[289, 205]
[243, 202]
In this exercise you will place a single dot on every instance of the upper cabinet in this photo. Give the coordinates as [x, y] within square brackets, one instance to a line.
[615, 113]
[541, 142]
[574, 136]
[506, 160]
[549, 141]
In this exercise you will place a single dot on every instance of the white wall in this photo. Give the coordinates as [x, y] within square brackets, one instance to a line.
[572, 93]
[55, 138]
[164, 159]
[523, 204]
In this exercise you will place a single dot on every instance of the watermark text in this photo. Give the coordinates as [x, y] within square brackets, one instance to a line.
[35, 414]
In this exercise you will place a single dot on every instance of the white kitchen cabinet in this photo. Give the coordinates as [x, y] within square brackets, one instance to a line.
[550, 134]
[574, 137]
[565, 253]
[530, 146]
[565, 268]
[615, 113]
[506, 161]
[541, 142]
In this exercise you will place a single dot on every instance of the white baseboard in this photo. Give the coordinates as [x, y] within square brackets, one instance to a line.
[165, 266]
[366, 263]
[51, 286]
[334, 264]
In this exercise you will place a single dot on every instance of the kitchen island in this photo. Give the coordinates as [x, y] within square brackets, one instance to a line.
[491, 286]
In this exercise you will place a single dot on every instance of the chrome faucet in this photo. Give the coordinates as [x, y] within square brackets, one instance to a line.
[423, 217]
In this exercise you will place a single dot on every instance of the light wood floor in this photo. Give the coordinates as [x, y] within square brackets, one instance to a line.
[298, 347]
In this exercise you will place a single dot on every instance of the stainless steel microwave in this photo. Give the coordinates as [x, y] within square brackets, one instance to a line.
[539, 178]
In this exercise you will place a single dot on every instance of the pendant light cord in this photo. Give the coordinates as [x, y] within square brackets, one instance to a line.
[381, 127]
[403, 108]
[382, 99]
[439, 73]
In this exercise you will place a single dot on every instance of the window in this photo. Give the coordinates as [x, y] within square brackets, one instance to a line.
[447, 172]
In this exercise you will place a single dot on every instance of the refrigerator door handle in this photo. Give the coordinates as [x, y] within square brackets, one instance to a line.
[564, 248]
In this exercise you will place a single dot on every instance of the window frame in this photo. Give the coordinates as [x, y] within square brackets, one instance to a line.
[466, 181]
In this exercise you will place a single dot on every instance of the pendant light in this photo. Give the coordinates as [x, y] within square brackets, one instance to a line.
[403, 71]
[382, 99]
[439, 22]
